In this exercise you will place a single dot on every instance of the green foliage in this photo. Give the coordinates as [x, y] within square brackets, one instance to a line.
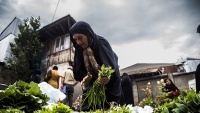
[11, 110]
[186, 102]
[26, 48]
[23, 96]
[148, 101]
[122, 109]
[58, 108]
[113, 109]
[61, 108]
[163, 98]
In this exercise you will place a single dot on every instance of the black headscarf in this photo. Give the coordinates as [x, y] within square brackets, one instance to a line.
[103, 54]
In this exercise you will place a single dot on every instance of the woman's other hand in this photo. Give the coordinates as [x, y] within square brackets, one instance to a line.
[103, 80]
[86, 80]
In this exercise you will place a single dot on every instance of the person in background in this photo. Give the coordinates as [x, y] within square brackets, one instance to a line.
[127, 89]
[197, 79]
[171, 88]
[53, 76]
[35, 77]
[69, 82]
[91, 52]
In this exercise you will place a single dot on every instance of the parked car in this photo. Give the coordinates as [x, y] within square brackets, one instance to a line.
[3, 87]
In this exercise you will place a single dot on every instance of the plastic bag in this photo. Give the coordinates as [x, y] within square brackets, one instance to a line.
[63, 89]
[54, 94]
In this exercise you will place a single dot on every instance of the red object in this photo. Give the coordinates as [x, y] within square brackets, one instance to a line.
[59, 101]
[176, 93]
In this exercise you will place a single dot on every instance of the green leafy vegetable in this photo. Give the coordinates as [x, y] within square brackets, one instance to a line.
[57, 108]
[23, 96]
[105, 71]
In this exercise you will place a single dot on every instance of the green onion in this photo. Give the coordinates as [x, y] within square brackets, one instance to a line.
[96, 93]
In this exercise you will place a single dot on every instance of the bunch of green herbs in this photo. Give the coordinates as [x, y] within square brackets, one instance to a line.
[96, 93]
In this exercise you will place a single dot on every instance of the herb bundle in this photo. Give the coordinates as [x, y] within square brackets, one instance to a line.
[96, 93]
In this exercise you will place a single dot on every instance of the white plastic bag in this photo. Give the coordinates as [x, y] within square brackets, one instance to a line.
[54, 94]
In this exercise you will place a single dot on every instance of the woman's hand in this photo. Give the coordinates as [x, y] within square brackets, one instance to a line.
[86, 80]
[103, 80]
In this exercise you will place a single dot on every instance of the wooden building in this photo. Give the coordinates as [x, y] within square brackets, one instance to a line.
[58, 50]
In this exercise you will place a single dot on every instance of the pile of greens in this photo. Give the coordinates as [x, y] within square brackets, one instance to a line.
[57, 108]
[24, 96]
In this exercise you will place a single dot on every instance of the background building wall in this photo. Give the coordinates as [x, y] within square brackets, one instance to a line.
[5, 47]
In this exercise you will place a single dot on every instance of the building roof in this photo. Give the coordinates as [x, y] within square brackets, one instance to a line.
[57, 28]
[12, 28]
[145, 69]
[190, 58]
[142, 66]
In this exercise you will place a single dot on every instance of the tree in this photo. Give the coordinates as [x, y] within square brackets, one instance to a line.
[26, 48]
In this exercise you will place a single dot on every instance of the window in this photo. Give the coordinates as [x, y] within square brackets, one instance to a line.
[67, 42]
[62, 42]
[57, 44]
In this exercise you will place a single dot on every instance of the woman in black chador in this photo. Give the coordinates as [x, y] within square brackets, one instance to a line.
[91, 52]
[170, 87]
[197, 79]
[127, 89]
